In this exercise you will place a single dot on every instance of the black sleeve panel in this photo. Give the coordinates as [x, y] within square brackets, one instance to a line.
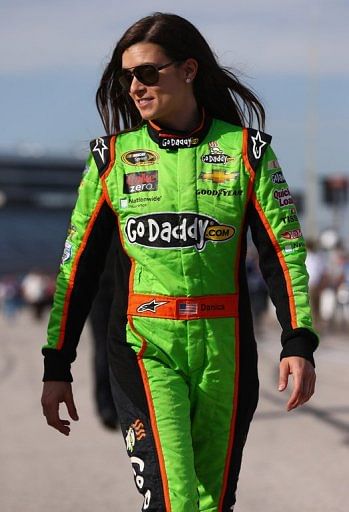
[102, 151]
[296, 342]
[90, 267]
[256, 146]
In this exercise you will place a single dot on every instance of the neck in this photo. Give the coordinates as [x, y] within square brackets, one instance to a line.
[185, 121]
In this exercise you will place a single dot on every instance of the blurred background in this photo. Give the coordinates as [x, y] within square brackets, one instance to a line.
[294, 54]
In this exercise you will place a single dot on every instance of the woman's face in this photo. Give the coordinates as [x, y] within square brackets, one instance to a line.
[169, 99]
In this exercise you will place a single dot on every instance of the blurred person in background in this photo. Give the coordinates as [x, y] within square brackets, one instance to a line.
[257, 289]
[316, 267]
[11, 299]
[37, 292]
[99, 321]
[179, 186]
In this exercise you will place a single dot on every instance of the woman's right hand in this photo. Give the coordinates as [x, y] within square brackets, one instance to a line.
[53, 393]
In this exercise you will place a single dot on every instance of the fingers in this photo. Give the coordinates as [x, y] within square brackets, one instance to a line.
[50, 411]
[69, 401]
[283, 375]
[53, 394]
[303, 380]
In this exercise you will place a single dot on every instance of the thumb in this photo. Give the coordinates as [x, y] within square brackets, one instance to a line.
[283, 375]
[69, 400]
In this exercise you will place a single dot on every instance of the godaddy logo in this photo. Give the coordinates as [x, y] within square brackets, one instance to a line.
[176, 230]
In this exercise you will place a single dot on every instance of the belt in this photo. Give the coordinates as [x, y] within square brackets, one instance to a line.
[183, 308]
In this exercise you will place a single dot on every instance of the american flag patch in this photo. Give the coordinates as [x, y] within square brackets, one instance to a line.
[188, 308]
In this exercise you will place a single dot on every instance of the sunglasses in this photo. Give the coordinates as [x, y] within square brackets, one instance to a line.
[147, 74]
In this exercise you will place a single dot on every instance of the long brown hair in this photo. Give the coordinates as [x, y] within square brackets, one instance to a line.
[217, 89]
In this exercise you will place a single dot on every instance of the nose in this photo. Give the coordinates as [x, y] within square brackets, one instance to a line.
[136, 86]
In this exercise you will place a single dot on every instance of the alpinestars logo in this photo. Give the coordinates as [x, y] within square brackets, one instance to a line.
[258, 144]
[150, 306]
[170, 230]
[100, 148]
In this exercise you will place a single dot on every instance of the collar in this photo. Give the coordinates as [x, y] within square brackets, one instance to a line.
[168, 138]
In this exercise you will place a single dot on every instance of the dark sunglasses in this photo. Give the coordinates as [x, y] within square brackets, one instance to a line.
[147, 74]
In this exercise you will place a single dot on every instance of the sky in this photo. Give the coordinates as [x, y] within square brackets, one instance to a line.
[293, 53]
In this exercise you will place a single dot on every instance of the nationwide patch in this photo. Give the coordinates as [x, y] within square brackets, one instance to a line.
[170, 230]
[294, 247]
[143, 181]
[140, 157]
[219, 176]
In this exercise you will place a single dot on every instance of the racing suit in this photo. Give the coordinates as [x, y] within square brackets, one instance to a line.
[182, 351]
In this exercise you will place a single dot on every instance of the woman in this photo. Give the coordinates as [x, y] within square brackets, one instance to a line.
[181, 184]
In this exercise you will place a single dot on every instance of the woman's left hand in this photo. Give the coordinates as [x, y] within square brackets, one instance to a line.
[304, 377]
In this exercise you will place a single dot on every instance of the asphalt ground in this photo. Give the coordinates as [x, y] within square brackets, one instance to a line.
[293, 462]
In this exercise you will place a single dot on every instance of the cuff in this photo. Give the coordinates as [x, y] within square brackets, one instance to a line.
[56, 367]
[302, 344]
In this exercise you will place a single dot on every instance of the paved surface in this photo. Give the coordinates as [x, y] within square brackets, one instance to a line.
[294, 462]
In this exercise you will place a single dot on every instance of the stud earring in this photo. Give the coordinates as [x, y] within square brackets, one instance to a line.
[188, 80]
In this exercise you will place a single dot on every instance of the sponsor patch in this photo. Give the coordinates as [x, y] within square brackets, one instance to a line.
[150, 306]
[170, 230]
[143, 181]
[140, 157]
[283, 197]
[295, 246]
[292, 234]
[136, 432]
[67, 252]
[139, 202]
[71, 231]
[170, 142]
[216, 155]
[138, 471]
[290, 216]
[273, 164]
[220, 192]
[219, 176]
[277, 177]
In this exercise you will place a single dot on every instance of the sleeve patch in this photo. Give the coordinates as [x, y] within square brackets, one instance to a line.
[100, 149]
[257, 145]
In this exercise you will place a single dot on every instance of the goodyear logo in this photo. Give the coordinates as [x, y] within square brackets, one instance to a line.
[140, 157]
[170, 230]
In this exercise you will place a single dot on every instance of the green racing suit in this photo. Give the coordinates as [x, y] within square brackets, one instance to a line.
[182, 351]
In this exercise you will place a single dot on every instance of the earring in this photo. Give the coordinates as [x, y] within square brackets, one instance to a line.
[188, 80]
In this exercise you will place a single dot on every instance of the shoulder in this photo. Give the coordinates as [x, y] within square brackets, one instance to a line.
[254, 142]
[103, 148]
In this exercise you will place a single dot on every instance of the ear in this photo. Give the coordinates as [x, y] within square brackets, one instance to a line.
[190, 68]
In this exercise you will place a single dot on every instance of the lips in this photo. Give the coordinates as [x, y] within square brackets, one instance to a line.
[143, 103]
